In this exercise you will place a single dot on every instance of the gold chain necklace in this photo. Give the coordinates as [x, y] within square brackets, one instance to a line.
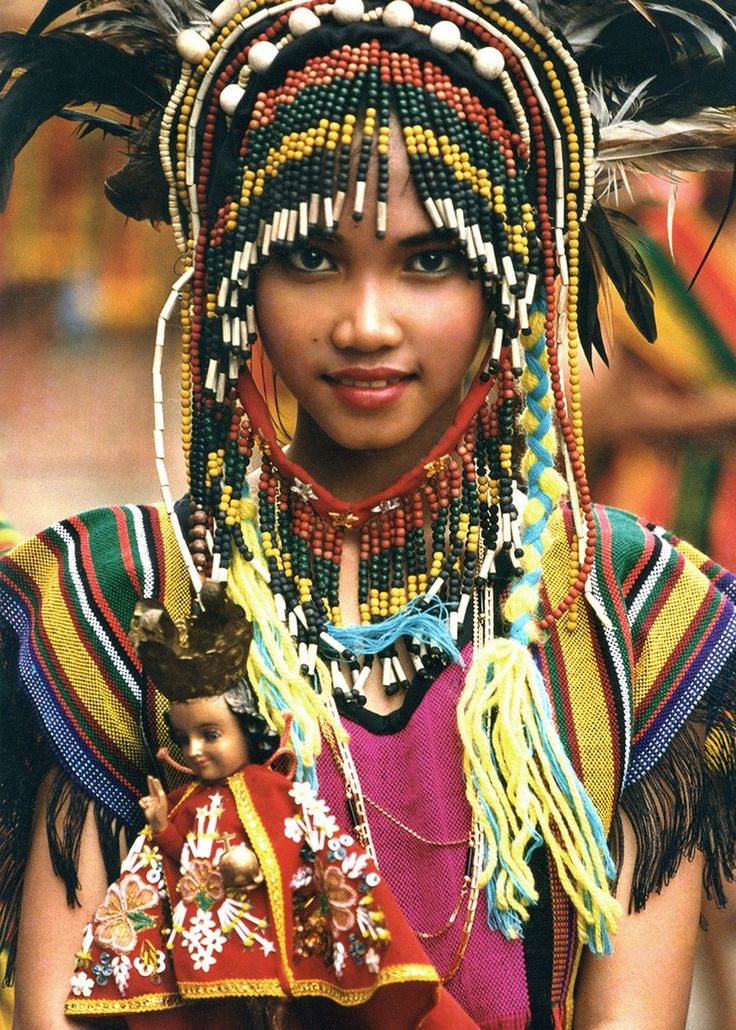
[356, 803]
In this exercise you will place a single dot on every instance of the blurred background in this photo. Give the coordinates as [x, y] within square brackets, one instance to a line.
[80, 292]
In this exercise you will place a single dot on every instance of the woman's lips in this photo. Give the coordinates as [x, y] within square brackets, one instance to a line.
[369, 388]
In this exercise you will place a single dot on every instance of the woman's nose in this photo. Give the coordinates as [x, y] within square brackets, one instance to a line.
[368, 319]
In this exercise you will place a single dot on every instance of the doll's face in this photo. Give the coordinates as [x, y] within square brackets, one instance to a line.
[211, 739]
[374, 337]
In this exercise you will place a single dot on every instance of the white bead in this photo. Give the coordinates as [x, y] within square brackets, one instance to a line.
[261, 56]
[489, 62]
[231, 97]
[191, 46]
[225, 11]
[302, 20]
[398, 14]
[346, 11]
[445, 35]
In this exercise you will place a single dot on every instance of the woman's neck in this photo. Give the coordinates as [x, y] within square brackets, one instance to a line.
[352, 475]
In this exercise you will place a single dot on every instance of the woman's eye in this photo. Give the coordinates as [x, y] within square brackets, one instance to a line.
[211, 735]
[434, 261]
[309, 259]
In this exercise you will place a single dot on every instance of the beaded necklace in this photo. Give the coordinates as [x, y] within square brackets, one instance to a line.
[291, 175]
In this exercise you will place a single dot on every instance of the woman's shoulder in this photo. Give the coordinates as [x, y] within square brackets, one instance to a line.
[115, 554]
[630, 548]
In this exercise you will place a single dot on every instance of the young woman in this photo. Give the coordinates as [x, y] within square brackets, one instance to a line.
[520, 702]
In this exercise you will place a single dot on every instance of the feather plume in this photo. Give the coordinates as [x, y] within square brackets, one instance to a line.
[682, 49]
[90, 122]
[165, 16]
[703, 142]
[60, 70]
[611, 250]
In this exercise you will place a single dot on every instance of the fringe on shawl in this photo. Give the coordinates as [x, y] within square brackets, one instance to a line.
[25, 762]
[687, 801]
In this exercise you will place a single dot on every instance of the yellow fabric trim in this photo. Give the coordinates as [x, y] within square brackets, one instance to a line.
[187, 793]
[590, 712]
[104, 1006]
[267, 988]
[409, 973]
[261, 842]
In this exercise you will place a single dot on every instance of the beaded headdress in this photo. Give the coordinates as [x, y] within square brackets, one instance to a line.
[250, 122]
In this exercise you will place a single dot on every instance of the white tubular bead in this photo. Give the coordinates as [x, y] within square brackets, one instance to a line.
[224, 12]
[488, 62]
[261, 56]
[231, 97]
[191, 46]
[302, 20]
[346, 11]
[445, 35]
[398, 14]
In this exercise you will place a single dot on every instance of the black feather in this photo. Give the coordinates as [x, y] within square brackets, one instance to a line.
[682, 49]
[728, 208]
[139, 190]
[689, 86]
[90, 122]
[64, 70]
[589, 325]
[610, 240]
[49, 13]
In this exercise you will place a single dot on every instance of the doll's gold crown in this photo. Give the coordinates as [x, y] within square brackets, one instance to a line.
[204, 654]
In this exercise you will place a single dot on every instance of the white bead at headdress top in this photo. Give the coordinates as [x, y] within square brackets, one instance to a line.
[302, 20]
[231, 97]
[445, 35]
[191, 46]
[225, 11]
[261, 56]
[398, 14]
[346, 11]
[489, 62]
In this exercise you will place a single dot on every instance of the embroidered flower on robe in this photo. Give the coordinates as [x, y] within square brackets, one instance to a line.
[336, 896]
[82, 985]
[201, 883]
[122, 914]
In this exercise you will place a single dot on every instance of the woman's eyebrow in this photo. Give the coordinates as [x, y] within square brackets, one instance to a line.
[443, 236]
[320, 233]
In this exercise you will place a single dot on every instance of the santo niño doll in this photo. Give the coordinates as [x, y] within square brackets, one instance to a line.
[242, 901]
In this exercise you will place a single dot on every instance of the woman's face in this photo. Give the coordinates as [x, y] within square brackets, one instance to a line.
[373, 337]
[211, 739]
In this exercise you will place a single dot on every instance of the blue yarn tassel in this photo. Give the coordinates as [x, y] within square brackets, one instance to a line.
[424, 619]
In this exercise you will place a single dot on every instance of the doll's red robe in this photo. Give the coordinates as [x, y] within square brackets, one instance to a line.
[174, 932]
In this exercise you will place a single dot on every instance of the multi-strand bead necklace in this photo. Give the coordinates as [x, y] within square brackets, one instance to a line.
[500, 166]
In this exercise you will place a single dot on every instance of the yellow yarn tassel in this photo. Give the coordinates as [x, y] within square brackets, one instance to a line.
[273, 662]
[522, 789]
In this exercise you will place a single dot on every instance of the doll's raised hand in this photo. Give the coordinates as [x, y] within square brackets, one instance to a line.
[155, 806]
